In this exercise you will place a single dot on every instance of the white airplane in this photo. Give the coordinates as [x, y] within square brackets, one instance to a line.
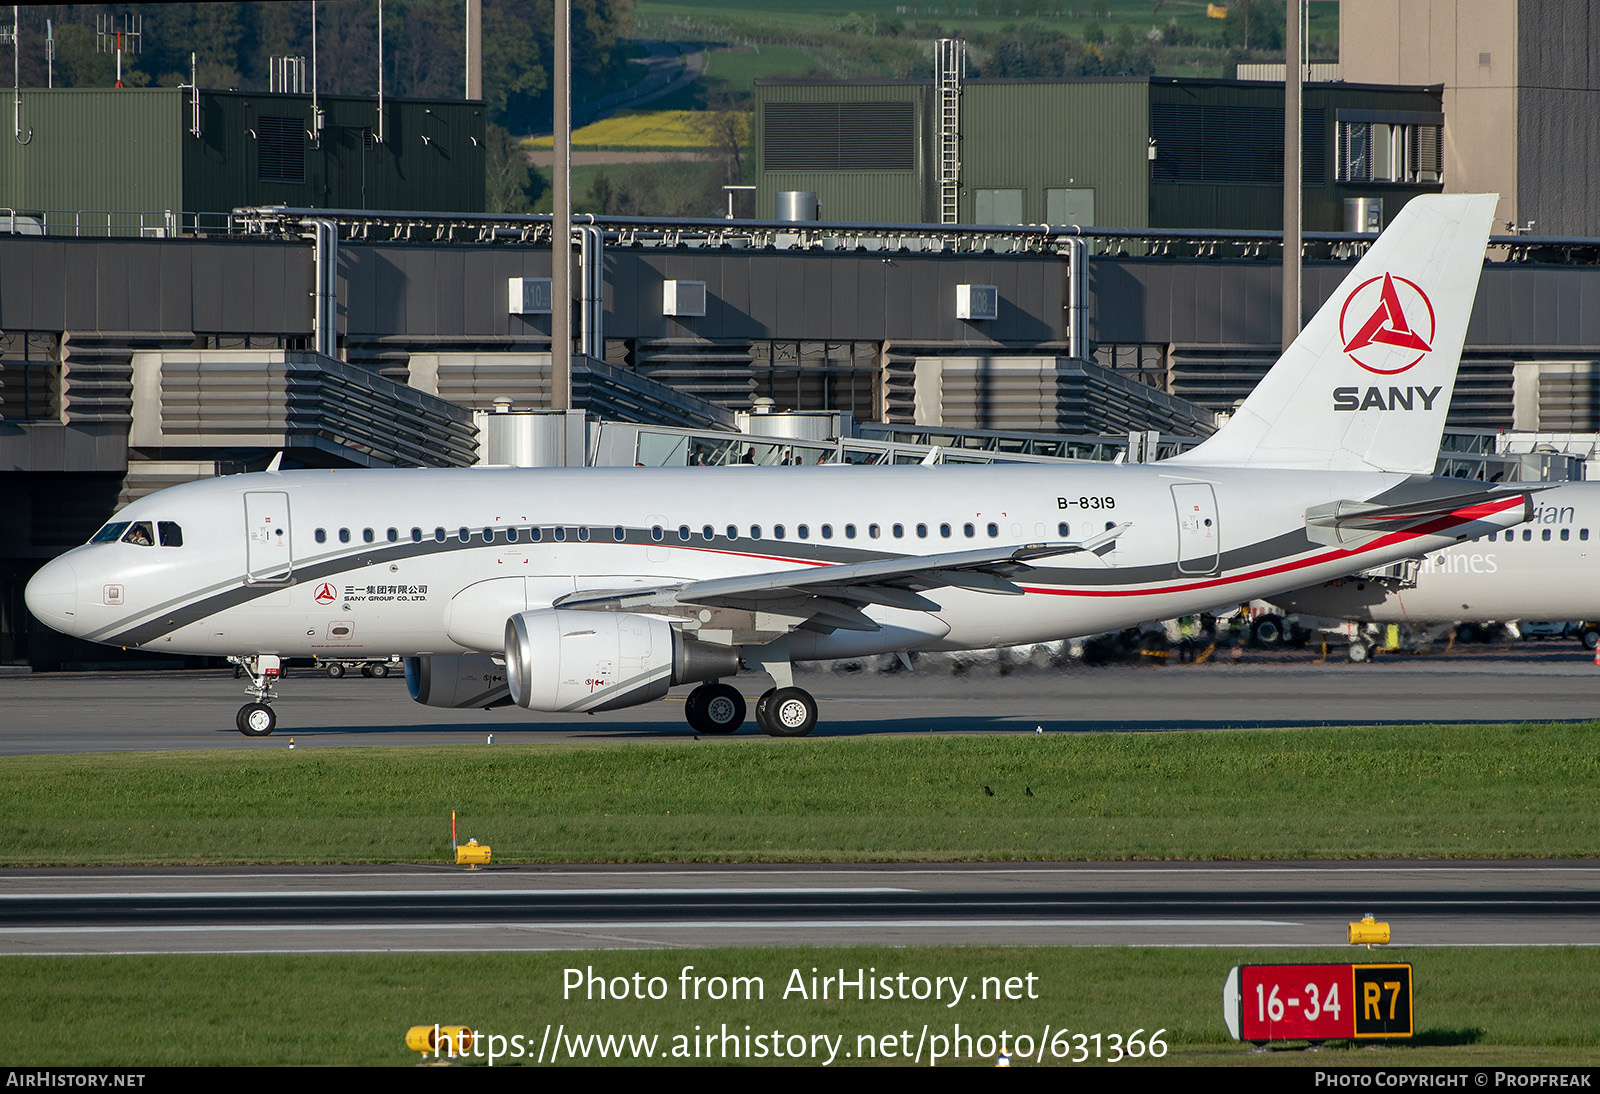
[1542, 570]
[590, 589]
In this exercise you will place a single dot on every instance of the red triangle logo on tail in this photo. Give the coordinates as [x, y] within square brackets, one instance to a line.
[1387, 326]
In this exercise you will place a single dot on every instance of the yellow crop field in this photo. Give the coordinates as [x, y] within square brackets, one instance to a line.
[643, 129]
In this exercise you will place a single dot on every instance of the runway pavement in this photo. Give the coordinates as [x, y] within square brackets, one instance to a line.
[430, 909]
[136, 711]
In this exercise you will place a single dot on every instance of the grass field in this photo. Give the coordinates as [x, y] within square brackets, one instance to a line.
[1473, 1007]
[1446, 791]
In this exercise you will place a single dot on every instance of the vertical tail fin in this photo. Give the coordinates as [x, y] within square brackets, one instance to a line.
[1368, 382]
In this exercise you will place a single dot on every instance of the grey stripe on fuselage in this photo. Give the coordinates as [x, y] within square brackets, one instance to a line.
[182, 611]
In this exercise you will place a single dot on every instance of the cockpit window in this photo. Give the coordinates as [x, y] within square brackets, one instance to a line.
[111, 532]
[171, 534]
[140, 534]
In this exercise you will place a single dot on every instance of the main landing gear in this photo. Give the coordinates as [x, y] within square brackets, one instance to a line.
[782, 711]
[257, 719]
[715, 709]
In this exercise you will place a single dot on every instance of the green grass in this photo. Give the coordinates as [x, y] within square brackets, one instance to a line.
[1473, 1007]
[1448, 791]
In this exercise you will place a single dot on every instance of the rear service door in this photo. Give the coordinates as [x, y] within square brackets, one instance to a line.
[1198, 533]
[268, 556]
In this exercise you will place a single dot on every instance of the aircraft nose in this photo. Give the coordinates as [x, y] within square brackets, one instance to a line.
[52, 595]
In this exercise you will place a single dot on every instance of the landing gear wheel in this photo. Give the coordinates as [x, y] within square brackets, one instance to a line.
[1359, 652]
[1269, 631]
[256, 720]
[380, 671]
[714, 709]
[336, 671]
[786, 712]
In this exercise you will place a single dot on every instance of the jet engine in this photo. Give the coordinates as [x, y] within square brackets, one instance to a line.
[584, 661]
[457, 682]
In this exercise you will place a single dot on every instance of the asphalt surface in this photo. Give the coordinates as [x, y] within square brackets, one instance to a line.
[435, 909]
[138, 711]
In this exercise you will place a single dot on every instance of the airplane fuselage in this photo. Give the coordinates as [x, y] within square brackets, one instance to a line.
[431, 562]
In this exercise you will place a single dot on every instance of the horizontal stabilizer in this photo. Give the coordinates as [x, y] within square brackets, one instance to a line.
[1353, 523]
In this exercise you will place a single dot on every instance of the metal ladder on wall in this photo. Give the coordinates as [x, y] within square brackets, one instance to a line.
[950, 66]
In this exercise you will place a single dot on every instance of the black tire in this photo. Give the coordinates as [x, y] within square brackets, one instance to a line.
[715, 709]
[366, 670]
[380, 671]
[1590, 637]
[256, 720]
[1269, 631]
[787, 712]
[335, 671]
[1359, 652]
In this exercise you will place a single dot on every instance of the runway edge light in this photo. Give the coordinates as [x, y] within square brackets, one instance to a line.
[1368, 932]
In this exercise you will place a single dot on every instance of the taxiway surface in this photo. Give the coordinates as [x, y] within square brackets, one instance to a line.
[136, 711]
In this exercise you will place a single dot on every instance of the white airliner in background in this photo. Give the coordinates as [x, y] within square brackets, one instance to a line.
[589, 589]
[1544, 569]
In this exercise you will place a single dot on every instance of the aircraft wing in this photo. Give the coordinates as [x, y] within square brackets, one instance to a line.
[831, 597]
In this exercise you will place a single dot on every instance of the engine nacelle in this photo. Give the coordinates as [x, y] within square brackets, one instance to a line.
[580, 661]
[457, 682]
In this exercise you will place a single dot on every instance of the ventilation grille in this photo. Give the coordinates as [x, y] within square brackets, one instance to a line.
[281, 150]
[873, 136]
[1237, 145]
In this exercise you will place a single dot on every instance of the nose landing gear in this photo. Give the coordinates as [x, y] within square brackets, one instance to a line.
[257, 719]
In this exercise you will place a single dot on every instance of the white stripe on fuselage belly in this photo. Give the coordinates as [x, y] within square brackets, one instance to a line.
[1253, 506]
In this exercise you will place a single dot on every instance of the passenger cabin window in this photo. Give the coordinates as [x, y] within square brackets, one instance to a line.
[1062, 530]
[344, 535]
[968, 530]
[733, 531]
[994, 531]
[171, 534]
[393, 535]
[321, 535]
[416, 535]
[367, 535]
[618, 533]
[777, 531]
[922, 531]
[438, 535]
